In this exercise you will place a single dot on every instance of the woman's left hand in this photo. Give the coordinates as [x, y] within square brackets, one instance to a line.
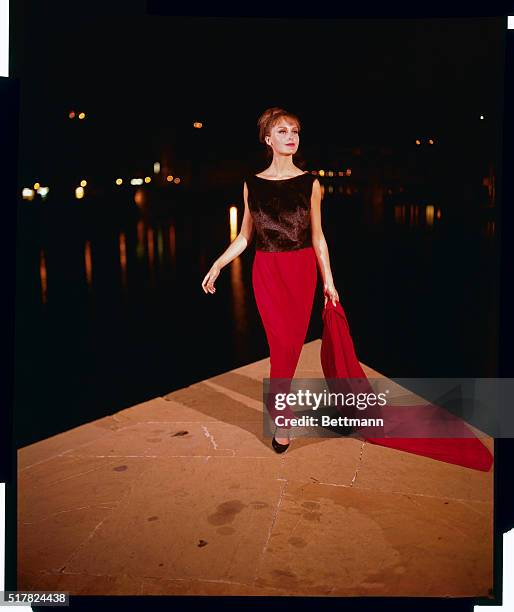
[330, 293]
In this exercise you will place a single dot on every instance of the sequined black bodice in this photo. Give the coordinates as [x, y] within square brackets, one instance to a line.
[281, 212]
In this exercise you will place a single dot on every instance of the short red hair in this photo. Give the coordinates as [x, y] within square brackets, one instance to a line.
[269, 118]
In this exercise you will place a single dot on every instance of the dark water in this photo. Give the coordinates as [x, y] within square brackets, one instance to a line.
[110, 310]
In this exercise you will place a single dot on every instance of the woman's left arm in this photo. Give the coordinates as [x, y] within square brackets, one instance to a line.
[320, 245]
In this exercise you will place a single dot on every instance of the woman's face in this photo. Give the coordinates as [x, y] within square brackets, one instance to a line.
[284, 138]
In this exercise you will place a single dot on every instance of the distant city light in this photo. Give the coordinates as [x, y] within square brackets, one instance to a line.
[147, 179]
[169, 178]
[233, 223]
[330, 173]
[418, 142]
[430, 141]
[438, 214]
[71, 115]
[36, 186]
[314, 172]
[83, 183]
[340, 173]
[79, 193]
[156, 167]
[348, 171]
[322, 173]
[197, 124]
[136, 181]
[119, 181]
[82, 115]
[43, 191]
[27, 193]
[176, 180]
[481, 116]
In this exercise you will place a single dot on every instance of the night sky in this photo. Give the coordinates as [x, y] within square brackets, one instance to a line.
[143, 80]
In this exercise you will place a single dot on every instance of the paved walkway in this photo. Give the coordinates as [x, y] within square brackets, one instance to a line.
[182, 495]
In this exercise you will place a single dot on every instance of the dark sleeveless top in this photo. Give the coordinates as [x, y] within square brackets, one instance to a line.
[281, 212]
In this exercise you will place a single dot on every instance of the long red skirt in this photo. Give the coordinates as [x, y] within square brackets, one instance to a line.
[284, 285]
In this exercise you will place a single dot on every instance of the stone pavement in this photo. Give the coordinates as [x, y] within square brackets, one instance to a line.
[182, 495]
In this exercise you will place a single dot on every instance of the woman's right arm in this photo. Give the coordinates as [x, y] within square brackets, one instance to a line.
[235, 249]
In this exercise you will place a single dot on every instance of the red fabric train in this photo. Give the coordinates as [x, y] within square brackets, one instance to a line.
[339, 362]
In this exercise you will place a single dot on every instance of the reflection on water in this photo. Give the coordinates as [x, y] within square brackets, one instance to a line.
[140, 250]
[429, 215]
[160, 245]
[238, 302]
[171, 241]
[443, 274]
[150, 242]
[236, 281]
[233, 223]
[413, 214]
[88, 263]
[123, 258]
[376, 205]
[149, 239]
[42, 275]
[489, 229]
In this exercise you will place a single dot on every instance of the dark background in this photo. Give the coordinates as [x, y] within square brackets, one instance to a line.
[144, 79]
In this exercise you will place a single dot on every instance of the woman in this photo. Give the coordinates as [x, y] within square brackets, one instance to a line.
[283, 206]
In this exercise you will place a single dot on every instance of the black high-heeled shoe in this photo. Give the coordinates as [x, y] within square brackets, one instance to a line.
[277, 447]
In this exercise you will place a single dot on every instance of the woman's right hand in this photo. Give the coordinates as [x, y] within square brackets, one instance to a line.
[210, 277]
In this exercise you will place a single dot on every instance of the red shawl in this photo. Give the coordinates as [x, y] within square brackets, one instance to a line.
[339, 361]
